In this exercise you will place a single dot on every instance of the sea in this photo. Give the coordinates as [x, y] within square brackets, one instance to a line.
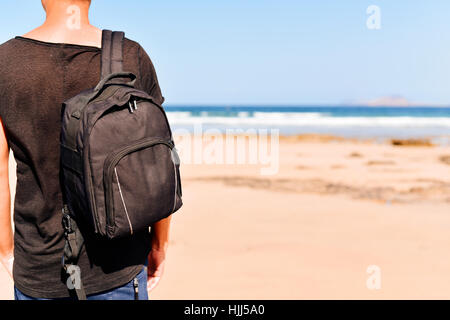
[363, 122]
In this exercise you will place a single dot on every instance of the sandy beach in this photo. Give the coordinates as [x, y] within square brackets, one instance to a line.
[311, 231]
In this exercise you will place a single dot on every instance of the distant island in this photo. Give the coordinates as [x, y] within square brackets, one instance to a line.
[393, 101]
[390, 101]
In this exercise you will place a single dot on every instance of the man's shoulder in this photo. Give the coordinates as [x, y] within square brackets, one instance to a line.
[135, 46]
[8, 52]
[131, 44]
[7, 46]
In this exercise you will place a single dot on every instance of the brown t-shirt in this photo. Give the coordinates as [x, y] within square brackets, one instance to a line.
[36, 77]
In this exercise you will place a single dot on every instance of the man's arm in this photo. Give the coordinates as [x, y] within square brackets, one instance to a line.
[156, 258]
[160, 234]
[6, 232]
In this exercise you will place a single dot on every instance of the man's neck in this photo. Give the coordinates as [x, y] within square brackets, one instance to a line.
[68, 22]
[72, 15]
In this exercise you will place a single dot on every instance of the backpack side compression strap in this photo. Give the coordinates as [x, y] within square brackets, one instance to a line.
[72, 249]
[112, 52]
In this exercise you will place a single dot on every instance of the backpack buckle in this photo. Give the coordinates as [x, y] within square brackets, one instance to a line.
[66, 222]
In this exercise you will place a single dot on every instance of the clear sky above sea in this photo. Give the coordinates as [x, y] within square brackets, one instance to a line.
[278, 51]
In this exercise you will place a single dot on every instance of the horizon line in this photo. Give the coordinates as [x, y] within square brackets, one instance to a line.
[312, 105]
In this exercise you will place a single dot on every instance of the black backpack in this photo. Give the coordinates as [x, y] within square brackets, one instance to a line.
[119, 166]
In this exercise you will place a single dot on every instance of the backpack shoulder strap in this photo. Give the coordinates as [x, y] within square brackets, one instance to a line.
[112, 52]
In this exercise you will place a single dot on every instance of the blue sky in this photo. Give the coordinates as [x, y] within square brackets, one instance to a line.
[278, 51]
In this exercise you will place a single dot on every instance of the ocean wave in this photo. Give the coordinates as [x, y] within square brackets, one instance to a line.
[281, 119]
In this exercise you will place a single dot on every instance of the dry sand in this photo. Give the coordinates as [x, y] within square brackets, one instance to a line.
[311, 231]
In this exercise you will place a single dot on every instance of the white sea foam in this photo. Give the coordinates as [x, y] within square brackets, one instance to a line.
[312, 119]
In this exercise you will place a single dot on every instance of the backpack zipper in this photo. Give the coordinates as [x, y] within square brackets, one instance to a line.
[136, 288]
[176, 180]
[123, 201]
[92, 201]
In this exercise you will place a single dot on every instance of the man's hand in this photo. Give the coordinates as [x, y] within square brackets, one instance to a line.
[157, 257]
[155, 268]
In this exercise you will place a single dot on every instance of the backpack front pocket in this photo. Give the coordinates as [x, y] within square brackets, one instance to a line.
[140, 185]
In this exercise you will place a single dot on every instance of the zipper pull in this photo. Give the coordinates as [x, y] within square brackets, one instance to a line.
[130, 107]
[136, 288]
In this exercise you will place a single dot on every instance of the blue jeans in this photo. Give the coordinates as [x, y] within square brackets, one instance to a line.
[125, 292]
